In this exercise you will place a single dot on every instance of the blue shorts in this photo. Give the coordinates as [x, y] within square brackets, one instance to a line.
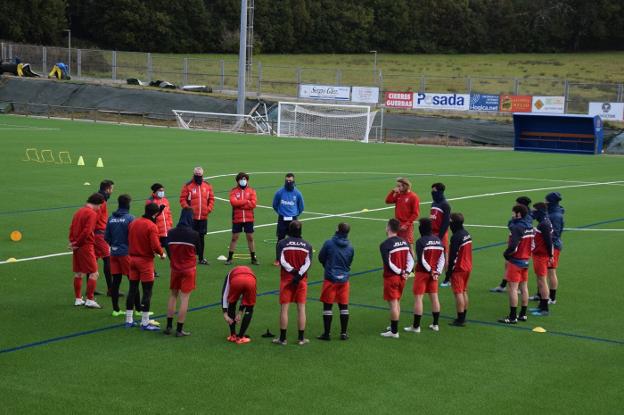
[247, 226]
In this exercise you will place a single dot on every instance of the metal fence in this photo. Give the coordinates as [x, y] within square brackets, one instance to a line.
[283, 81]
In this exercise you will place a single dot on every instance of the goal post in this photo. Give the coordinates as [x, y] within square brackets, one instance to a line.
[319, 120]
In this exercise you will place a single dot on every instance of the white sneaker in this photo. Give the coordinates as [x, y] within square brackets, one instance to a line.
[434, 327]
[412, 329]
[445, 284]
[552, 301]
[92, 304]
[79, 302]
[390, 334]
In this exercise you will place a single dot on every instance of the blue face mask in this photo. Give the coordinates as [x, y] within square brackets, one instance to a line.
[160, 194]
[289, 185]
[242, 183]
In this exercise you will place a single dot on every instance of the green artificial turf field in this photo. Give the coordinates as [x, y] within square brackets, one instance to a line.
[55, 358]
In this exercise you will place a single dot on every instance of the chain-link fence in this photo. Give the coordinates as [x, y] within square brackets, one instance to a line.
[283, 81]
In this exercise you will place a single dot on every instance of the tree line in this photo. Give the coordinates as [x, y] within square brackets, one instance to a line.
[321, 26]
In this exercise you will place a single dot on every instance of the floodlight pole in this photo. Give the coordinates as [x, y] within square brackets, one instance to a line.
[242, 59]
[68, 50]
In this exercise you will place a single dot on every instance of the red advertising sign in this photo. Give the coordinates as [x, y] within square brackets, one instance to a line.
[516, 103]
[401, 99]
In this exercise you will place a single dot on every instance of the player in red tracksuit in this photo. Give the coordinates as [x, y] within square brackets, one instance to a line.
[407, 209]
[239, 282]
[460, 266]
[164, 221]
[543, 255]
[398, 263]
[429, 265]
[82, 243]
[295, 256]
[198, 195]
[243, 200]
[517, 255]
[143, 244]
[183, 242]
[102, 249]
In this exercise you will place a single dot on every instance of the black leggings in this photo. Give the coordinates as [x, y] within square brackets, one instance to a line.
[133, 296]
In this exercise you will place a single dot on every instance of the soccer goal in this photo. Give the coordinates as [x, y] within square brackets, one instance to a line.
[216, 121]
[332, 121]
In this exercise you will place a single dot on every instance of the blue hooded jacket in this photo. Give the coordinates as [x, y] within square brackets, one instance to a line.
[555, 214]
[117, 232]
[336, 255]
[186, 218]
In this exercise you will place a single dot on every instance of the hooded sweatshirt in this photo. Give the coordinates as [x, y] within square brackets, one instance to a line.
[336, 255]
[117, 231]
[555, 214]
[183, 244]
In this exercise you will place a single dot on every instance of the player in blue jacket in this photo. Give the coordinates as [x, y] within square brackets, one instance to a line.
[555, 214]
[336, 255]
[288, 204]
[116, 235]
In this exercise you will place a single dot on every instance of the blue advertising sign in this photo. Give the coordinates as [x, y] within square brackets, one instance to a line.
[484, 102]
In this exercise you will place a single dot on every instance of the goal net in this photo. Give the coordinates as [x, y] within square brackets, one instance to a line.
[333, 121]
[216, 121]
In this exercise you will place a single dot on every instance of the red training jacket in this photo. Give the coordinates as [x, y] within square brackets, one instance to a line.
[198, 197]
[143, 238]
[102, 218]
[243, 203]
[83, 226]
[407, 207]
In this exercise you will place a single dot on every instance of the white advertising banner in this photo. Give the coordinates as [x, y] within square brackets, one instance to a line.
[454, 102]
[365, 94]
[325, 92]
[608, 111]
[548, 105]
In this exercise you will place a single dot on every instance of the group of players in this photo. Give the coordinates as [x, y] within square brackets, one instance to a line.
[128, 245]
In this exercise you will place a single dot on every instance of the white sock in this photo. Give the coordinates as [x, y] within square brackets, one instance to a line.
[145, 318]
[129, 318]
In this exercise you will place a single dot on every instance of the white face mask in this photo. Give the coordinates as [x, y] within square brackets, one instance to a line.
[160, 194]
[242, 182]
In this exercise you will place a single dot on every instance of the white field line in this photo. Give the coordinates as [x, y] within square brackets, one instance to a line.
[414, 174]
[349, 214]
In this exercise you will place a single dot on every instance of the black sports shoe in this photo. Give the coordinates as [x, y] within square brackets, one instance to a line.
[324, 337]
[254, 261]
[507, 320]
[522, 318]
[228, 262]
[204, 262]
[344, 336]
[457, 323]
[167, 331]
[182, 333]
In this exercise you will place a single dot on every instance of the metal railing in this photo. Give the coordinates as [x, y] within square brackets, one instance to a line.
[283, 81]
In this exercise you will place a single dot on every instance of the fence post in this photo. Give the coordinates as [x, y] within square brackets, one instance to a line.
[469, 85]
[79, 63]
[566, 95]
[516, 86]
[259, 78]
[338, 76]
[44, 60]
[114, 65]
[380, 80]
[185, 73]
[10, 52]
[222, 67]
[149, 67]
[423, 84]
[2, 53]
[620, 94]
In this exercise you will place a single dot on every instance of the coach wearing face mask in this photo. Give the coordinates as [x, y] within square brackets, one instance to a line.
[198, 195]
[243, 201]
[288, 204]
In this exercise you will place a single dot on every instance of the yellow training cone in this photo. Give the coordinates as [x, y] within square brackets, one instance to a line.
[364, 210]
[539, 330]
[87, 184]
[11, 260]
[99, 163]
[16, 236]
[80, 161]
